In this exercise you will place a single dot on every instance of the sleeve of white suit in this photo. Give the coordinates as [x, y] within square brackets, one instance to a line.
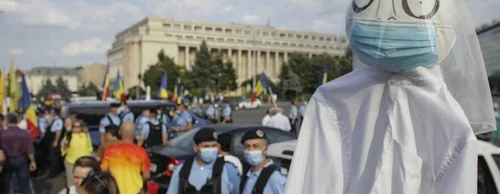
[460, 177]
[317, 161]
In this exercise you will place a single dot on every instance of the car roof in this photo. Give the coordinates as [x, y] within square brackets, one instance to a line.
[484, 147]
[276, 149]
[107, 103]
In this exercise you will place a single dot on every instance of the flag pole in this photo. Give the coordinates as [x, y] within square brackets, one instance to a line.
[272, 99]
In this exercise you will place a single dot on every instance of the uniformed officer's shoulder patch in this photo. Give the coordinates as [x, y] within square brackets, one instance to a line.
[283, 171]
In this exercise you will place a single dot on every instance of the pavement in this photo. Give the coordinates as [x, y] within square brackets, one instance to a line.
[43, 185]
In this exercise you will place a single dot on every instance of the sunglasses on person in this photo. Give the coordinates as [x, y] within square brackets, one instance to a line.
[77, 126]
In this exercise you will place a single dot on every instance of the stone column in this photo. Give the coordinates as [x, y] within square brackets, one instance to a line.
[259, 64]
[276, 65]
[310, 55]
[267, 67]
[186, 60]
[249, 65]
[239, 65]
[229, 57]
[286, 57]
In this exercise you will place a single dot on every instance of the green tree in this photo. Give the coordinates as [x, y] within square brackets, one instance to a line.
[47, 89]
[62, 88]
[226, 75]
[204, 75]
[132, 92]
[88, 89]
[290, 84]
[152, 76]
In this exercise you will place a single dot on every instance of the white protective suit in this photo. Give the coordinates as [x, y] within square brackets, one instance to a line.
[412, 131]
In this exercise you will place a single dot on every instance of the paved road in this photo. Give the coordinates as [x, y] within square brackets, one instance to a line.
[53, 186]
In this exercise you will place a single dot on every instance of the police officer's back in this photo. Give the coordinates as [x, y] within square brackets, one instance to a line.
[124, 113]
[263, 176]
[111, 118]
[226, 113]
[206, 172]
[153, 133]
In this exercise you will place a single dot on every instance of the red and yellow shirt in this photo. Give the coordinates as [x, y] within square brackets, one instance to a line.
[125, 161]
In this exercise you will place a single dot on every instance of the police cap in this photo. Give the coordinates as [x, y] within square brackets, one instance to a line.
[253, 134]
[153, 111]
[115, 105]
[205, 134]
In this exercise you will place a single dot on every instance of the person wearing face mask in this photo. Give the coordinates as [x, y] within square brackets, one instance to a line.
[263, 176]
[206, 172]
[178, 125]
[124, 112]
[111, 118]
[142, 119]
[161, 115]
[52, 142]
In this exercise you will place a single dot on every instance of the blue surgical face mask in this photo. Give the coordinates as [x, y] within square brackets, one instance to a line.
[208, 155]
[254, 157]
[394, 48]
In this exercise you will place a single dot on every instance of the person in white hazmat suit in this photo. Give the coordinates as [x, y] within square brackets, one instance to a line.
[404, 121]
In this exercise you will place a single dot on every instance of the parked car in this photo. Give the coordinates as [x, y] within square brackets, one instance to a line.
[488, 166]
[165, 158]
[92, 112]
[248, 104]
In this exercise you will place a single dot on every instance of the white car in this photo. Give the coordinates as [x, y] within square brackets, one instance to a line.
[488, 164]
[249, 104]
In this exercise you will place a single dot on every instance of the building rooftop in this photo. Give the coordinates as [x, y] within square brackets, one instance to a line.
[57, 71]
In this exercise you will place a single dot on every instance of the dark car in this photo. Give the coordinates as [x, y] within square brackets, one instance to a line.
[92, 112]
[165, 158]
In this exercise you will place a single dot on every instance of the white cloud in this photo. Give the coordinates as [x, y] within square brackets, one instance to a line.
[251, 19]
[51, 53]
[107, 17]
[38, 12]
[85, 47]
[228, 9]
[16, 51]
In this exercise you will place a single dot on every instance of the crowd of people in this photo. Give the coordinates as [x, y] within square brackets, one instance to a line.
[274, 117]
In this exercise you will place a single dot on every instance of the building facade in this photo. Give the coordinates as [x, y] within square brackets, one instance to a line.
[489, 39]
[92, 73]
[251, 49]
[38, 76]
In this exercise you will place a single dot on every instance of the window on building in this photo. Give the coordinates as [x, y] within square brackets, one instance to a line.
[208, 29]
[198, 28]
[306, 37]
[178, 36]
[241, 40]
[298, 36]
[178, 26]
[284, 43]
[189, 37]
[247, 32]
[230, 40]
[218, 29]
[321, 38]
[331, 47]
[238, 31]
[167, 25]
[265, 34]
[274, 34]
[316, 46]
[220, 39]
[329, 39]
[313, 38]
[267, 42]
[199, 38]
[293, 44]
[308, 45]
[301, 45]
[168, 35]
[343, 40]
[187, 27]
[282, 35]
[324, 47]
[229, 31]
[276, 43]
[290, 35]
[210, 38]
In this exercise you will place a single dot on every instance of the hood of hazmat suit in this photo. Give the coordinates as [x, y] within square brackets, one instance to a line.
[404, 121]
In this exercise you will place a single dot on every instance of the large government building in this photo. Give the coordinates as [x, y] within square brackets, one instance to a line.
[252, 49]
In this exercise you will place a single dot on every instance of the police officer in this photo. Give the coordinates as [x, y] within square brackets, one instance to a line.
[212, 114]
[206, 172]
[51, 139]
[141, 120]
[161, 116]
[111, 118]
[263, 177]
[124, 113]
[303, 108]
[293, 116]
[153, 133]
[181, 111]
[178, 125]
[226, 113]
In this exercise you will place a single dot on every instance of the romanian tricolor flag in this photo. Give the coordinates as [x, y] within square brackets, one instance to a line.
[177, 95]
[3, 76]
[13, 86]
[105, 85]
[31, 119]
[162, 91]
[262, 85]
[119, 90]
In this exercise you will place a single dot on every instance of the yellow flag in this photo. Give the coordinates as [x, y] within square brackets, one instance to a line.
[13, 87]
[2, 90]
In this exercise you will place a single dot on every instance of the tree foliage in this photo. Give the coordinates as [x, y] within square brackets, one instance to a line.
[203, 75]
[88, 89]
[152, 76]
[225, 79]
[62, 88]
[47, 89]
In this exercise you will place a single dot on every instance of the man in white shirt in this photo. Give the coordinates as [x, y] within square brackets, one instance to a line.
[269, 113]
[280, 121]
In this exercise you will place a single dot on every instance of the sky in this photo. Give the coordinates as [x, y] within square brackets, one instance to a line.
[69, 33]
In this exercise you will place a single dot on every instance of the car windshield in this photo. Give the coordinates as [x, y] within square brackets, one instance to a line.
[185, 141]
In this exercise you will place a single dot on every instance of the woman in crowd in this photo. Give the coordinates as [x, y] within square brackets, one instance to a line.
[81, 170]
[99, 183]
[75, 144]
